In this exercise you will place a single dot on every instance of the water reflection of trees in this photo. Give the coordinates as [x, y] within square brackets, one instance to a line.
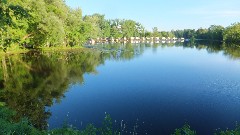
[120, 51]
[33, 81]
[30, 82]
[128, 51]
[230, 50]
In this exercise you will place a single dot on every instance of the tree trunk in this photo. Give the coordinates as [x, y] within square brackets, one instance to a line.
[4, 67]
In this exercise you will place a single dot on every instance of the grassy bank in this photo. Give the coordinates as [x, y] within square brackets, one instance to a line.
[42, 49]
[46, 49]
[17, 51]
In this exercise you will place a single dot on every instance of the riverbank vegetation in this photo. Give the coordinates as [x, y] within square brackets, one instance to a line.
[45, 23]
[229, 35]
[23, 126]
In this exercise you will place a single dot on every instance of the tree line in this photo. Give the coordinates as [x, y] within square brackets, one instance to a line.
[51, 23]
[48, 23]
[230, 34]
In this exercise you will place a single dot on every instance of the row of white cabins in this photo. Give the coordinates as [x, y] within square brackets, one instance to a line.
[133, 40]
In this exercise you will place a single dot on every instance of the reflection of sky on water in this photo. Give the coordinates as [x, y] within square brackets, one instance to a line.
[162, 88]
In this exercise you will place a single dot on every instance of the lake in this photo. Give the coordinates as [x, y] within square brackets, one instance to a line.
[146, 88]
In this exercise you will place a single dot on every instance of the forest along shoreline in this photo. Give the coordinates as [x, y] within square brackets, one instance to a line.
[52, 24]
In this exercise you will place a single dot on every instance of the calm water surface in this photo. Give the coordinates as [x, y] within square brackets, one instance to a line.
[149, 89]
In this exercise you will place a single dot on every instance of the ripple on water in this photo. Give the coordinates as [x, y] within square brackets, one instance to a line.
[223, 87]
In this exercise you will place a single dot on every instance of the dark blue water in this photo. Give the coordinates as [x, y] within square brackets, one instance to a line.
[158, 89]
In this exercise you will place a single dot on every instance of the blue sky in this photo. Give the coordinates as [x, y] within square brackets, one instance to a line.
[165, 14]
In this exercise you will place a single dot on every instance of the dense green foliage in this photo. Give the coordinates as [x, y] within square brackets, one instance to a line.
[8, 127]
[214, 32]
[13, 23]
[51, 23]
[40, 23]
[229, 35]
[232, 34]
[24, 127]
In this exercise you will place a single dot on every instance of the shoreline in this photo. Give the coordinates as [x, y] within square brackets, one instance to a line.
[42, 49]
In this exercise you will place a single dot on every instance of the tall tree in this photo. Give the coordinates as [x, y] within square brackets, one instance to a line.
[13, 18]
[116, 28]
[202, 33]
[129, 28]
[155, 32]
[232, 33]
[215, 32]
